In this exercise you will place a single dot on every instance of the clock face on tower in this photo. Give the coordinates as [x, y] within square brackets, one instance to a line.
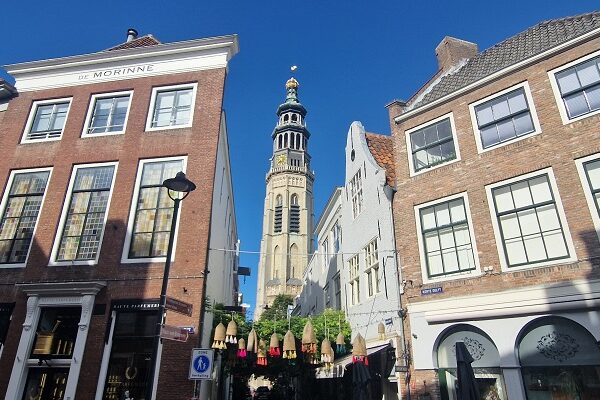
[280, 159]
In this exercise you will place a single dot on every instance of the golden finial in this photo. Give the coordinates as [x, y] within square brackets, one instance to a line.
[292, 83]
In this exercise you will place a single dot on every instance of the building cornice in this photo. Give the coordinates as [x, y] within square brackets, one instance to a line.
[61, 288]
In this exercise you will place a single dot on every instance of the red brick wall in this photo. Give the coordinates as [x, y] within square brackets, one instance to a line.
[198, 143]
[557, 146]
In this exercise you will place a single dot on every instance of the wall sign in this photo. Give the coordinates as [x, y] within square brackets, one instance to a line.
[433, 290]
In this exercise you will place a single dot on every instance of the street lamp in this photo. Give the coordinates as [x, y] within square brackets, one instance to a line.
[180, 185]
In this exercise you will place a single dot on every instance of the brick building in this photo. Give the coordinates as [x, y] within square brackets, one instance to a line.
[86, 142]
[496, 214]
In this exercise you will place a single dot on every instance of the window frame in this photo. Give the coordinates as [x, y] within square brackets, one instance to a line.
[155, 91]
[354, 280]
[132, 214]
[562, 109]
[587, 189]
[471, 273]
[65, 210]
[559, 209]
[532, 111]
[31, 118]
[4, 202]
[92, 105]
[358, 195]
[373, 287]
[412, 171]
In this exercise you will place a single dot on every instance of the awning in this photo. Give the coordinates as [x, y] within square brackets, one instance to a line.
[339, 366]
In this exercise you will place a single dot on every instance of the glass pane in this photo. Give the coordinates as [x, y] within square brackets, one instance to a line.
[515, 251]
[567, 81]
[576, 104]
[457, 210]
[450, 260]
[523, 124]
[417, 139]
[165, 100]
[448, 152]
[446, 238]
[461, 235]
[548, 217]
[444, 129]
[172, 168]
[420, 159]
[434, 155]
[521, 194]
[41, 121]
[528, 222]
[74, 224]
[506, 130]
[182, 117]
[79, 202]
[465, 258]
[14, 208]
[500, 108]
[148, 197]
[484, 114]
[140, 245]
[593, 173]
[145, 221]
[8, 228]
[510, 226]
[534, 246]
[540, 189]
[435, 264]
[428, 218]
[68, 248]
[516, 101]
[489, 136]
[152, 174]
[59, 121]
[162, 118]
[442, 214]
[430, 134]
[555, 244]
[504, 200]
[159, 246]
[184, 97]
[593, 96]
[163, 220]
[588, 73]
[432, 242]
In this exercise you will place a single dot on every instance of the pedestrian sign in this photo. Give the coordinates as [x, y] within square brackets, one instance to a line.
[201, 364]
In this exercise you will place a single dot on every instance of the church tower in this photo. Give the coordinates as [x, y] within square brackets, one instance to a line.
[288, 216]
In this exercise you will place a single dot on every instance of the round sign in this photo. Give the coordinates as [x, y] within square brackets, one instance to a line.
[201, 363]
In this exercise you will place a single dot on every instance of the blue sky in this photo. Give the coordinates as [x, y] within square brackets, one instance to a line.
[353, 58]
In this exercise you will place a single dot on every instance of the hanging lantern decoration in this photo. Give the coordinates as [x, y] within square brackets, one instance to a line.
[326, 354]
[289, 345]
[241, 353]
[231, 334]
[219, 338]
[252, 346]
[274, 346]
[340, 344]
[359, 350]
[381, 331]
[309, 340]
[262, 353]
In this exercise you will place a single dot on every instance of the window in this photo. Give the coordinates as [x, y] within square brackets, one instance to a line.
[579, 88]
[278, 213]
[372, 267]
[130, 353]
[107, 114]
[150, 220]
[528, 221]
[171, 107]
[338, 291]
[432, 145]
[294, 215]
[326, 296]
[21, 207]
[592, 173]
[5, 317]
[326, 257]
[504, 117]
[47, 120]
[354, 279]
[336, 233]
[589, 173]
[356, 193]
[446, 238]
[85, 213]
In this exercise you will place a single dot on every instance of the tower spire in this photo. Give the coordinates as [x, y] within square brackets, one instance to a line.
[292, 90]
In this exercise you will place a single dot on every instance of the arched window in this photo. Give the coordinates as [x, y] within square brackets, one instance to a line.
[276, 263]
[294, 118]
[286, 118]
[559, 359]
[278, 216]
[293, 139]
[279, 142]
[294, 214]
[486, 361]
[294, 265]
[286, 140]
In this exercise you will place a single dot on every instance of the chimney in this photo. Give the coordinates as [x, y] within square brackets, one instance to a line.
[451, 51]
[132, 34]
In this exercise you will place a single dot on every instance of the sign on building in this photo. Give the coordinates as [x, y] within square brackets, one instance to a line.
[201, 364]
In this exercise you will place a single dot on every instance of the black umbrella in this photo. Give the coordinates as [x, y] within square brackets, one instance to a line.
[360, 380]
[467, 385]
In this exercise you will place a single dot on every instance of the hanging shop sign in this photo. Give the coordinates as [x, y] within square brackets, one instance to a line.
[179, 306]
[175, 333]
[201, 364]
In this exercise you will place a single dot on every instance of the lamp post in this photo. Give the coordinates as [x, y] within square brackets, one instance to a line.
[180, 185]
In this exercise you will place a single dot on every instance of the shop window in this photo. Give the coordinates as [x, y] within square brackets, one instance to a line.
[559, 359]
[486, 364]
[130, 364]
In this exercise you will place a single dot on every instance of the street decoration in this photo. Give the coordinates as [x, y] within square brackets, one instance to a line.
[241, 353]
[340, 344]
[262, 353]
[231, 332]
[274, 346]
[309, 340]
[289, 345]
[219, 337]
[359, 350]
[252, 346]
[381, 331]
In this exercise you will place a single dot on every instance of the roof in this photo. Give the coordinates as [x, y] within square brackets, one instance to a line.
[535, 40]
[6, 89]
[146, 40]
[382, 149]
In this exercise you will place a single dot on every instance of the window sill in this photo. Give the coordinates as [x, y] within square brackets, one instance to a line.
[93, 135]
[72, 263]
[167, 128]
[567, 120]
[30, 141]
[13, 265]
[472, 273]
[541, 264]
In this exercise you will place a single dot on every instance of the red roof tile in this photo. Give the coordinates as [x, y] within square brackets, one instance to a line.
[147, 40]
[382, 149]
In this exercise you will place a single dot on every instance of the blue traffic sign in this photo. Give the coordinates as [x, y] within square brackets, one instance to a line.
[201, 364]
